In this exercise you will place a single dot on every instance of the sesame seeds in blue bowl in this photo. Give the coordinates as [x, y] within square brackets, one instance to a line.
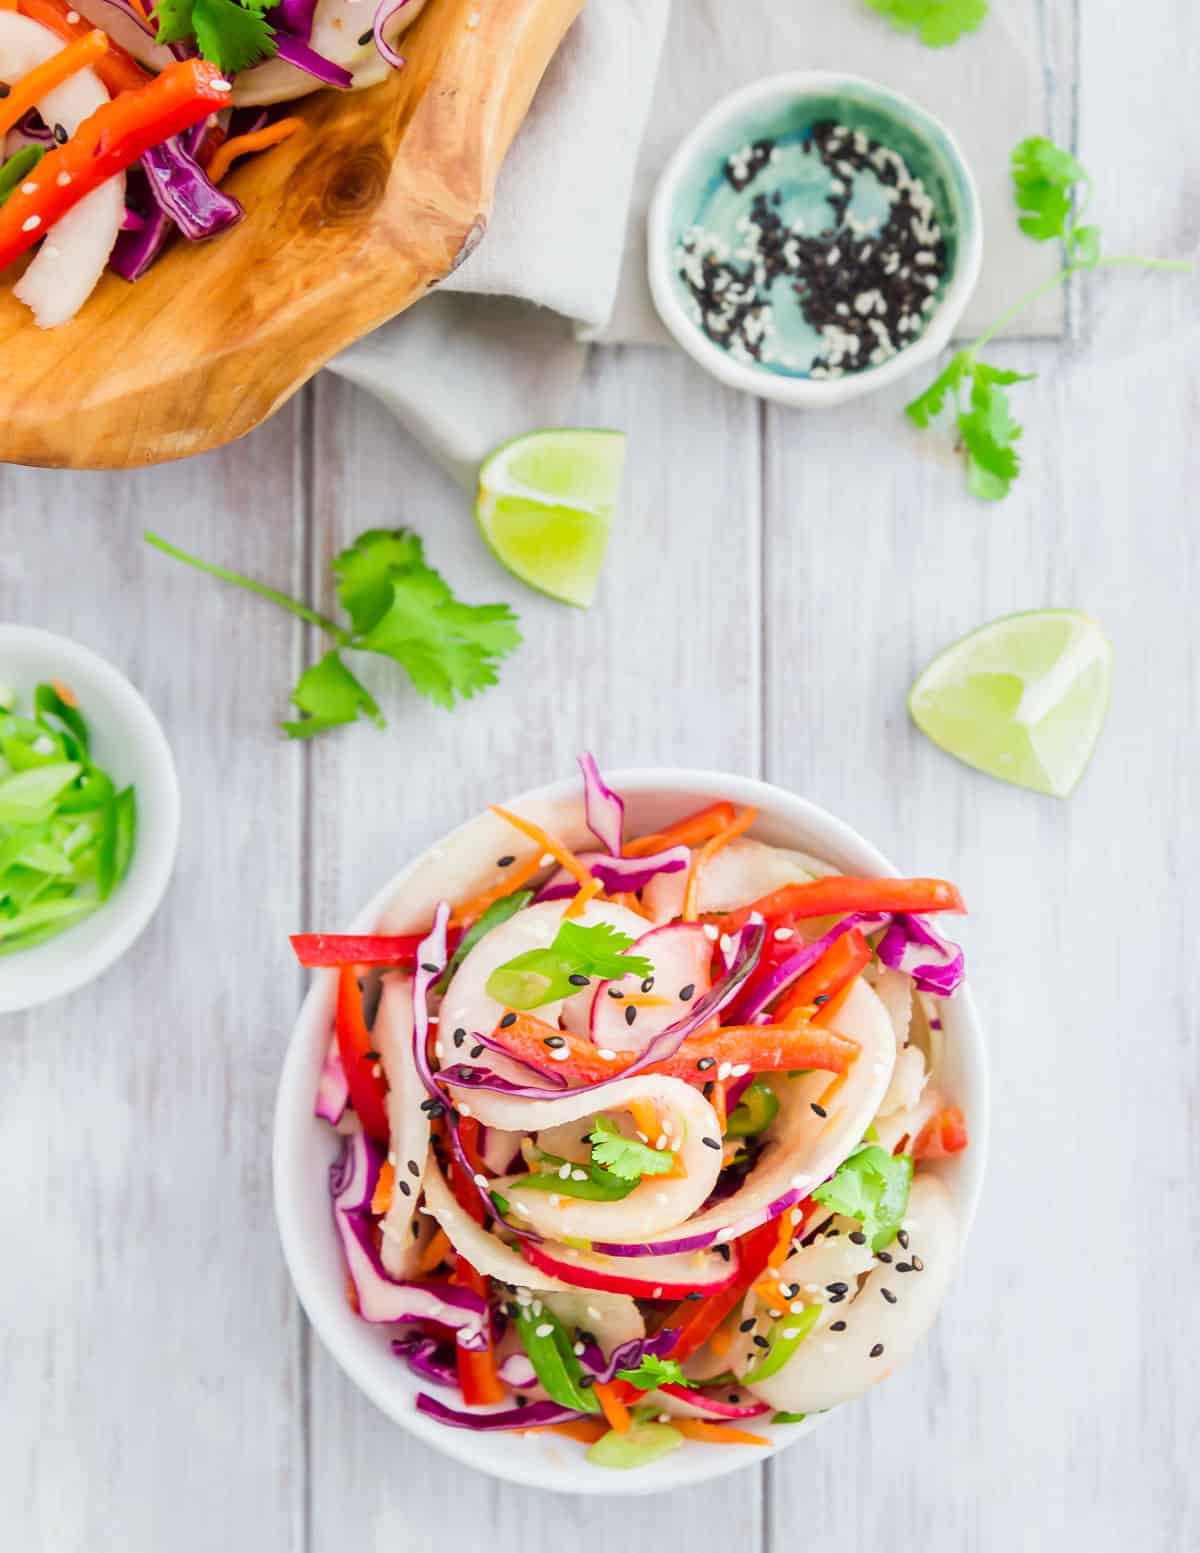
[815, 237]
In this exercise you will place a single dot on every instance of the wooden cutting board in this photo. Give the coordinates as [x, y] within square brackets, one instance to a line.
[347, 224]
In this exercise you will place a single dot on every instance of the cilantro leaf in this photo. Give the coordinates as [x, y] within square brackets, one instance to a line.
[542, 976]
[872, 1187]
[988, 433]
[1084, 245]
[926, 407]
[330, 696]
[233, 34]
[365, 570]
[653, 1372]
[626, 1157]
[1044, 178]
[936, 22]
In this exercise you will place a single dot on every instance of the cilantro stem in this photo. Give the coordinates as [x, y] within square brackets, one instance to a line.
[293, 606]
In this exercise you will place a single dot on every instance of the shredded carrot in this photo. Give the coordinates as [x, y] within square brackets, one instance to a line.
[8, 5]
[717, 1101]
[770, 1292]
[42, 79]
[645, 1000]
[783, 1246]
[381, 1198]
[715, 1434]
[831, 1089]
[631, 903]
[645, 1118]
[61, 690]
[351, 1295]
[578, 903]
[721, 1341]
[614, 1409]
[141, 10]
[242, 145]
[588, 1430]
[469, 911]
[562, 855]
[689, 832]
[707, 852]
[434, 1253]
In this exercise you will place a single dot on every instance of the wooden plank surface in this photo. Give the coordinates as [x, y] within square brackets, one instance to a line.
[773, 585]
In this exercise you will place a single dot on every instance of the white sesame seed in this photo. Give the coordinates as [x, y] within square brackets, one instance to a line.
[463, 1110]
[606, 1055]
[710, 932]
[783, 933]
[376, 1070]
[577, 1348]
[657, 1294]
[729, 1233]
[544, 1330]
[723, 1072]
[545, 860]
[392, 1159]
[797, 1308]
[31, 223]
[579, 1175]
[29, 188]
[790, 1332]
[560, 1054]
[221, 85]
[481, 1181]
[72, 17]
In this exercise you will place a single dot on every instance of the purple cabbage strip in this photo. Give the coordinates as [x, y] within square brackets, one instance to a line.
[605, 812]
[383, 15]
[135, 251]
[536, 1415]
[182, 188]
[627, 1356]
[428, 1358]
[617, 874]
[549, 1071]
[766, 988]
[312, 63]
[935, 964]
[294, 17]
[333, 1092]
[33, 127]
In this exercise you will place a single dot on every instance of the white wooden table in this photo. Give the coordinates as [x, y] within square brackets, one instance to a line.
[774, 583]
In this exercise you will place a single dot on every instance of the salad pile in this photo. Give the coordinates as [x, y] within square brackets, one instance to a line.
[120, 118]
[639, 1134]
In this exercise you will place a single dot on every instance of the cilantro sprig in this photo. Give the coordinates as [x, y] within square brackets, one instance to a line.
[577, 954]
[233, 34]
[399, 608]
[1052, 190]
[626, 1157]
[870, 1186]
[653, 1372]
[936, 22]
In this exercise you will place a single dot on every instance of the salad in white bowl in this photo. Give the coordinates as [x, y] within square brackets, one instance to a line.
[651, 1127]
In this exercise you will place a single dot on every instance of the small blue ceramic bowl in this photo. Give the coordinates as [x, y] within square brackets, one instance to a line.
[694, 192]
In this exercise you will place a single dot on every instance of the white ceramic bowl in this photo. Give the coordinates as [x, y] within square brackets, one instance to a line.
[128, 742]
[304, 1148]
[763, 109]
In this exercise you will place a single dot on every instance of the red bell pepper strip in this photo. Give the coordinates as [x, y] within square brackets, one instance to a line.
[477, 1374]
[105, 144]
[841, 963]
[697, 1320]
[368, 1089]
[400, 949]
[764, 1048]
[688, 832]
[943, 1134]
[835, 896]
[117, 69]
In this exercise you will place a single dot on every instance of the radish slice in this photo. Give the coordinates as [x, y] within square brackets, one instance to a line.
[125, 29]
[65, 270]
[831, 1367]
[802, 1148]
[650, 1278]
[338, 27]
[658, 1202]
[741, 872]
[408, 1125]
[685, 1402]
[681, 955]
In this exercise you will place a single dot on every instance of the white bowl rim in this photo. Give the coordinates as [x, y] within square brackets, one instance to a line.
[806, 393]
[294, 1121]
[63, 964]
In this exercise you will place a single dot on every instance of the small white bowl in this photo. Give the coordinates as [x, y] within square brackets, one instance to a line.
[786, 102]
[304, 1148]
[128, 743]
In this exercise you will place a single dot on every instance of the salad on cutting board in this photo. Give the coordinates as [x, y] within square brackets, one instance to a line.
[639, 1133]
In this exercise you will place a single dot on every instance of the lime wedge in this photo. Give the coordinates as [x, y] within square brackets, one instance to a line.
[545, 504]
[1023, 698]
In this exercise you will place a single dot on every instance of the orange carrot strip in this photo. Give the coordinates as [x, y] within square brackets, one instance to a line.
[631, 903]
[715, 1434]
[614, 1409]
[721, 1341]
[469, 911]
[783, 1245]
[587, 1430]
[242, 145]
[42, 79]
[717, 1101]
[562, 855]
[709, 850]
[434, 1253]
[578, 903]
[117, 69]
[688, 832]
[381, 1198]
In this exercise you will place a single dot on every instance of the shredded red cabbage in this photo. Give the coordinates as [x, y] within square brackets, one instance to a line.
[428, 1358]
[935, 964]
[536, 1415]
[604, 811]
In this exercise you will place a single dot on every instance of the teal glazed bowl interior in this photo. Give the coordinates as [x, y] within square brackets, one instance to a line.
[694, 192]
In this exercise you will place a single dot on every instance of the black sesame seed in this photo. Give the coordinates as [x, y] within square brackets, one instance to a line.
[857, 1236]
[371, 1056]
[818, 1110]
[704, 1063]
[579, 980]
[686, 994]
[4, 89]
[877, 1350]
[630, 1014]
[888, 1296]
[460, 1036]
[433, 1108]
[615, 992]
[711, 1143]
[413, 1168]
[747, 1325]
[476, 1052]
[508, 1021]
[837, 1326]
[648, 984]
[918, 1265]
[836, 1299]
[902, 1237]
[506, 861]
[428, 965]
[586, 1380]
[904, 1267]
[735, 1397]
[707, 1089]
[554, 1042]
[416, 1229]
[695, 1295]
[524, 1401]
[883, 1256]
[366, 37]
[724, 1252]
[821, 997]
[838, 1288]
[60, 134]
[760, 1341]
[405, 1188]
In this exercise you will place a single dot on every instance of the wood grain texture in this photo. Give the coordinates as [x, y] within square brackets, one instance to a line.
[347, 223]
[773, 585]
